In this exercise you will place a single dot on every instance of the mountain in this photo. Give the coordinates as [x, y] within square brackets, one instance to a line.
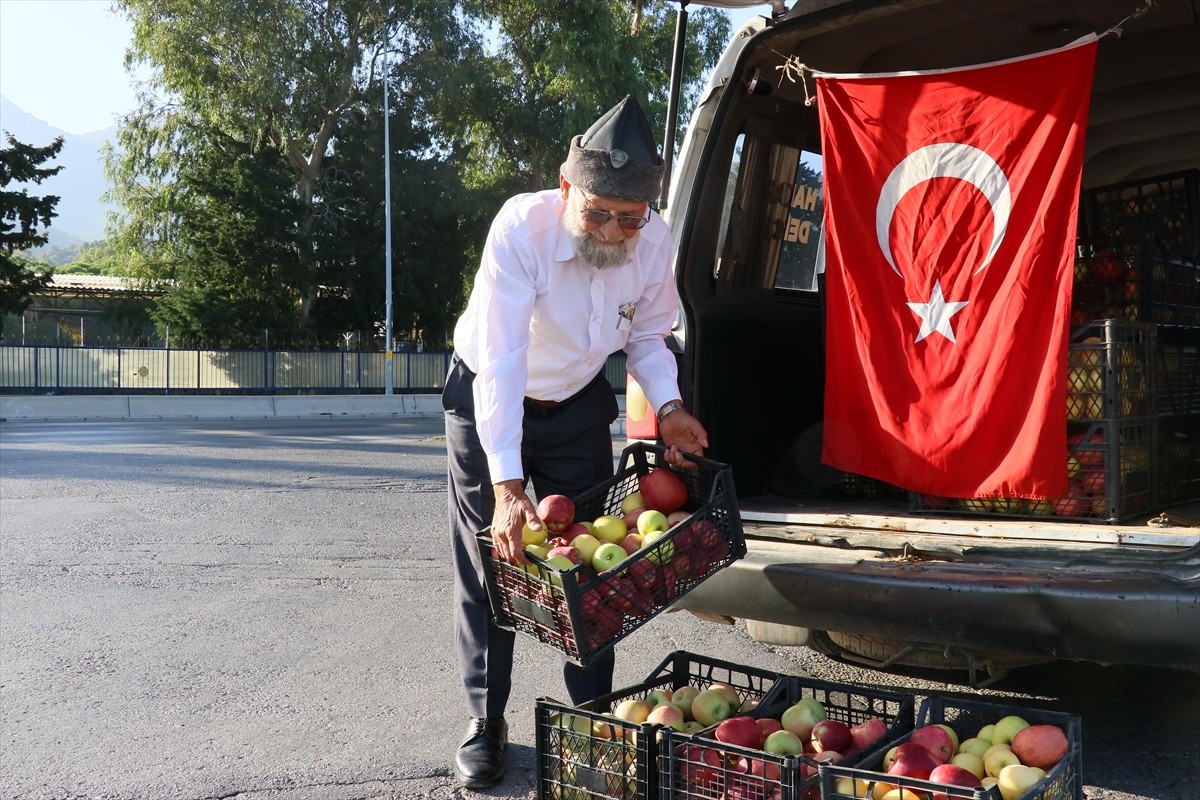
[81, 183]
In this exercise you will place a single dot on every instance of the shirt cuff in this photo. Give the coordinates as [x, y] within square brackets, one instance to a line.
[661, 392]
[505, 465]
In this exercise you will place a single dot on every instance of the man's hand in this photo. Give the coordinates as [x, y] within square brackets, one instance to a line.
[513, 510]
[681, 432]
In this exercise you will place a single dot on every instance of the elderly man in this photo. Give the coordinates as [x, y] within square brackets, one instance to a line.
[568, 276]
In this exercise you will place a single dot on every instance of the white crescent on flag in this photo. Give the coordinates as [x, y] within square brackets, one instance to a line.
[945, 160]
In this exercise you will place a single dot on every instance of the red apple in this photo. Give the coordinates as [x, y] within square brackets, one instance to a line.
[631, 543]
[831, 734]
[662, 490]
[769, 725]
[952, 775]
[936, 740]
[912, 761]
[1040, 746]
[708, 536]
[557, 511]
[868, 732]
[742, 731]
[575, 530]
[571, 553]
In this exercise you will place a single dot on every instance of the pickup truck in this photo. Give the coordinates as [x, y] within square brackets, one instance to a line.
[867, 572]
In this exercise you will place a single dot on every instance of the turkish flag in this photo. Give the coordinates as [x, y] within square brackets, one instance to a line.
[950, 211]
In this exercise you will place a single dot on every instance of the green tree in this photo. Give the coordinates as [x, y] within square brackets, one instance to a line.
[286, 73]
[21, 216]
[237, 233]
[554, 65]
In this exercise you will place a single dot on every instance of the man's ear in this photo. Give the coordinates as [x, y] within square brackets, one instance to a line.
[564, 187]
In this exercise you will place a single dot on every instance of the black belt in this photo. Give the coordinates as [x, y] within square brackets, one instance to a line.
[556, 403]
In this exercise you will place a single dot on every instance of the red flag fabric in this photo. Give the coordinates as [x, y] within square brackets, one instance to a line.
[950, 215]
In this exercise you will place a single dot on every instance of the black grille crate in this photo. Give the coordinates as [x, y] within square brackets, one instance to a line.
[694, 766]
[1110, 370]
[1179, 460]
[1177, 377]
[1111, 476]
[1164, 209]
[967, 717]
[1131, 280]
[581, 613]
[585, 754]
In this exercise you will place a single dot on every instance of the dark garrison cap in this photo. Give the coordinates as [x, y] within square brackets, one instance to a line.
[617, 157]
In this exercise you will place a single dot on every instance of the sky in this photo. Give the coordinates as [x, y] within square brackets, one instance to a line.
[62, 61]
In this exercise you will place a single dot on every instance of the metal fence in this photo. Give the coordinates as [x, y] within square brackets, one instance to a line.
[150, 370]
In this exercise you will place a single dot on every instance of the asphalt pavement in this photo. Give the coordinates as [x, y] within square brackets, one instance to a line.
[260, 609]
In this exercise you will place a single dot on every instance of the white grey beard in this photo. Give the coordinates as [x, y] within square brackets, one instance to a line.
[593, 252]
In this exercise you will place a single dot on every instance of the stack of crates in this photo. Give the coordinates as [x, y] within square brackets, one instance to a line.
[1112, 432]
[1141, 262]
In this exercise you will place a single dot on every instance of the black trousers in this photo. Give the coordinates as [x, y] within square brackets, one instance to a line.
[565, 450]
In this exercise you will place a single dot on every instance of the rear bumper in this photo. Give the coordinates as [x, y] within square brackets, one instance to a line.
[1075, 611]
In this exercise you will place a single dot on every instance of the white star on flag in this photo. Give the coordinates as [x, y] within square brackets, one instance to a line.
[935, 315]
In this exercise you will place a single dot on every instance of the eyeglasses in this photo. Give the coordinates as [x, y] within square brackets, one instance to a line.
[594, 216]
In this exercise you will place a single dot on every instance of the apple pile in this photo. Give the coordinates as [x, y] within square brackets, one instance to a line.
[610, 744]
[635, 587]
[1010, 754]
[802, 729]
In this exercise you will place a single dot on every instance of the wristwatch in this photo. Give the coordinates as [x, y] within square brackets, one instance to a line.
[669, 407]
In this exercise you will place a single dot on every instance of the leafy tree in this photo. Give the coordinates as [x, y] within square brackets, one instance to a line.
[237, 231]
[286, 73]
[556, 64]
[20, 217]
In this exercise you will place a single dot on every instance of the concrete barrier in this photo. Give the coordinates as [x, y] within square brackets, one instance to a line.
[101, 407]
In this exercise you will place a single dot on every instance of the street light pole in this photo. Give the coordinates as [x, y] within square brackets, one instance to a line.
[387, 230]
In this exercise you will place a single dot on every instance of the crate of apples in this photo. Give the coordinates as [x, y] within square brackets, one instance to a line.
[965, 749]
[609, 747]
[606, 562]
[773, 752]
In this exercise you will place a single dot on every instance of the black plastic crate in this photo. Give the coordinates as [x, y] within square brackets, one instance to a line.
[584, 754]
[967, 717]
[581, 613]
[1179, 460]
[1131, 280]
[695, 766]
[1177, 377]
[1163, 209]
[852, 486]
[1111, 468]
[1110, 371]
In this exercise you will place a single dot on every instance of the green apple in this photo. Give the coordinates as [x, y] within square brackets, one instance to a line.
[632, 502]
[531, 536]
[610, 529]
[683, 697]
[711, 706]
[662, 554]
[975, 746]
[802, 716]
[987, 732]
[997, 758]
[659, 696]
[971, 762]
[1015, 780]
[1007, 728]
[784, 743]
[586, 544]
[607, 556]
[652, 521]
[562, 564]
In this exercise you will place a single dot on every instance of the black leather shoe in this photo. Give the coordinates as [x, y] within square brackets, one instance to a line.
[479, 762]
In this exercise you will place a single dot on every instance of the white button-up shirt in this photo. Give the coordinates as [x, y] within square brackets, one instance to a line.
[541, 323]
